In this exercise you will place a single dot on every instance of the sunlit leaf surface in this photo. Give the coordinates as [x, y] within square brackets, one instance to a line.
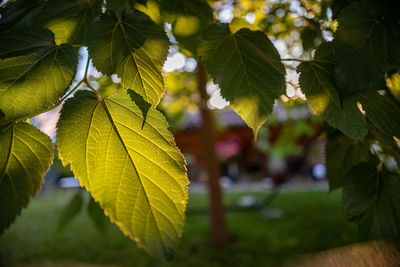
[130, 166]
[134, 49]
[34, 72]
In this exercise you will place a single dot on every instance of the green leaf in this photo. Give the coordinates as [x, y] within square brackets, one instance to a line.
[371, 198]
[382, 111]
[189, 19]
[248, 69]
[134, 48]
[21, 42]
[25, 156]
[71, 210]
[69, 20]
[118, 6]
[20, 14]
[365, 47]
[130, 166]
[318, 84]
[34, 72]
[341, 154]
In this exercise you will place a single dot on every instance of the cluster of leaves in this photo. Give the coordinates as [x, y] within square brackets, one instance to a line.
[345, 84]
[118, 144]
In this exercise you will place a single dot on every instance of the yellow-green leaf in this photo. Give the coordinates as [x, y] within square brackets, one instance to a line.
[131, 166]
[25, 156]
[34, 72]
[134, 48]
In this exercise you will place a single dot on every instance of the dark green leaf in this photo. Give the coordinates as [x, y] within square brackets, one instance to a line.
[69, 20]
[248, 69]
[20, 14]
[71, 210]
[338, 5]
[131, 167]
[317, 82]
[38, 76]
[25, 156]
[371, 198]
[382, 111]
[364, 47]
[118, 6]
[341, 154]
[24, 42]
[134, 49]
[308, 36]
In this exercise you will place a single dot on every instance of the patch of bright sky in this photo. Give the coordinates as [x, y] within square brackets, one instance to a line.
[190, 65]
[216, 101]
[175, 61]
[290, 92]
[226, 13]
[115, 78]
[250, 17]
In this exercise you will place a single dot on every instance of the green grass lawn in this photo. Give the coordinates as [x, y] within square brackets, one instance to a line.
[312, 221]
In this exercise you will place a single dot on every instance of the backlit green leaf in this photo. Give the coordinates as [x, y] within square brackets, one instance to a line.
[371, 198]
[69, 20]
[318, 84]
[134, 48]
[34, 72]
[25, 156]
[341, 155]
[248, 69]
[130, 166]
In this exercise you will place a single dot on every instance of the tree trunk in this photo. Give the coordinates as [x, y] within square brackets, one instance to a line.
[219, 231]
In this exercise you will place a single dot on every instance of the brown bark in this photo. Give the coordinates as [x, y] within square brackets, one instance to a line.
[219, 231]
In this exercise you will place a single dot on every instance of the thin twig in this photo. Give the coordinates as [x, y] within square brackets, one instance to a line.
[91, 88]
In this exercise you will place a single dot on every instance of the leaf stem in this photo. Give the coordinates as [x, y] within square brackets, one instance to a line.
[69, 93]
[85, 76]
[91, 87]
